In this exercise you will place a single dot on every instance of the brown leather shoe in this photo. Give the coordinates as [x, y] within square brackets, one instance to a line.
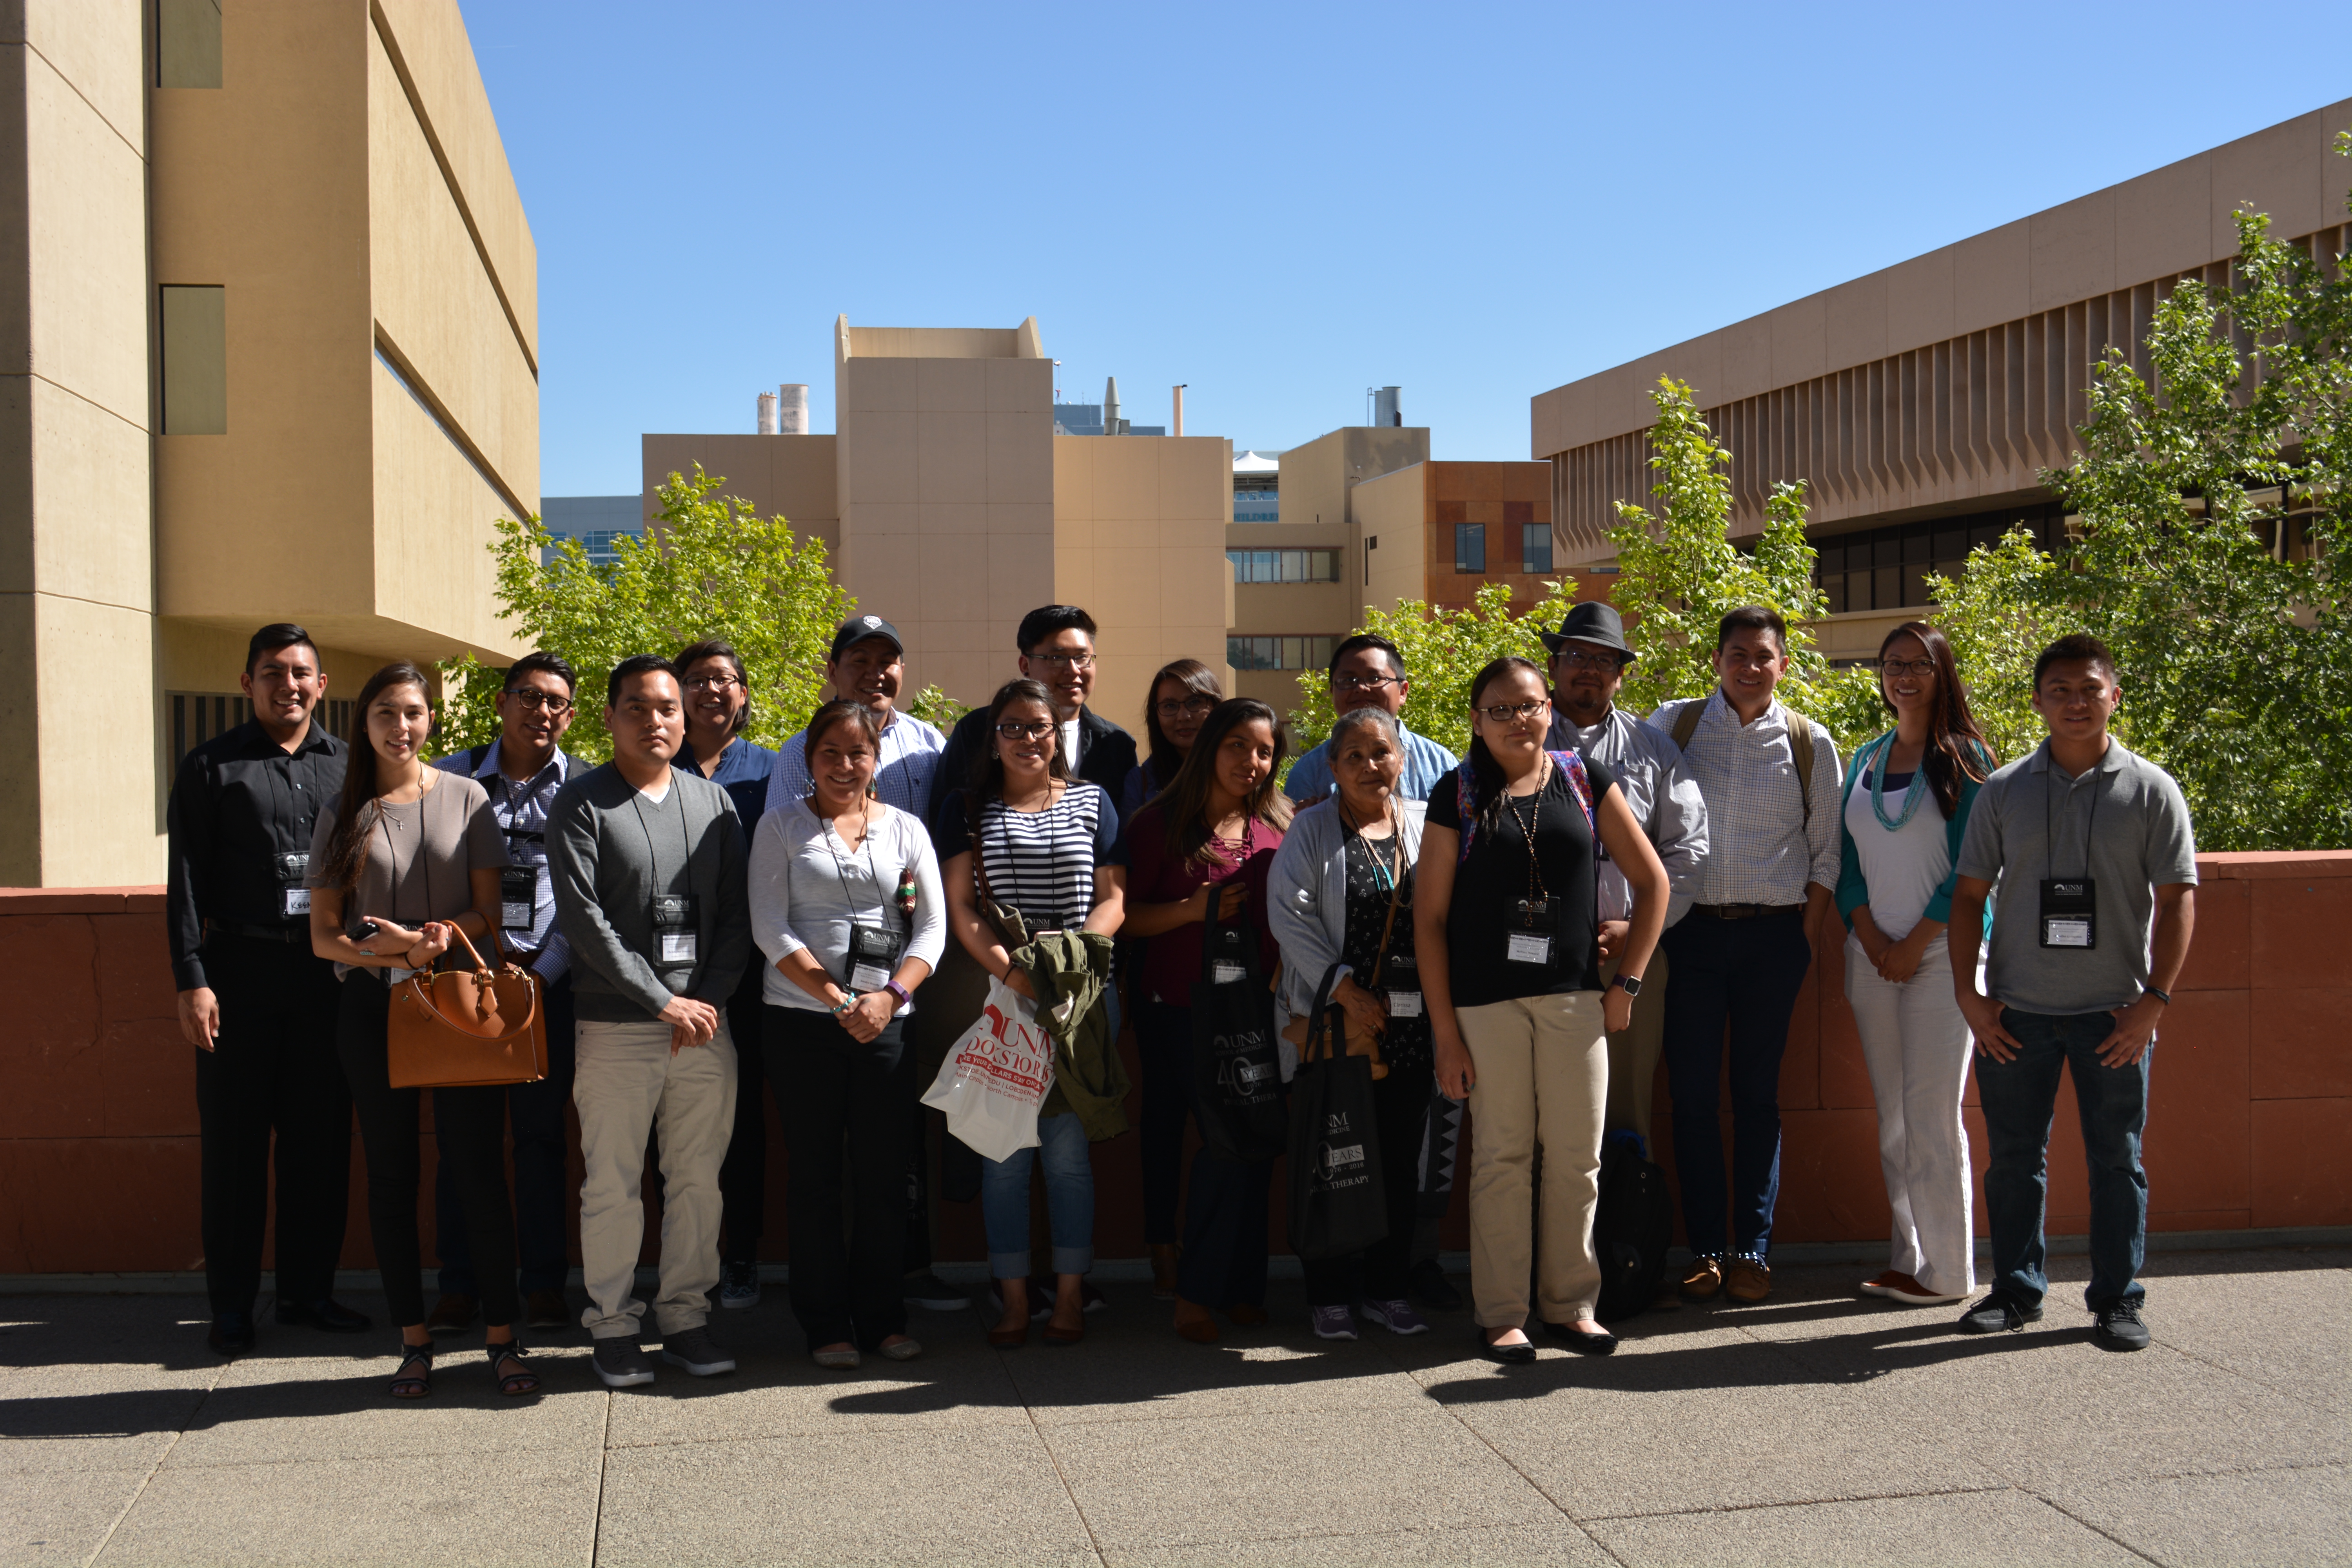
[1747, 1282]
[1009, 1338]
[452, 1314]
[547, 1310]
[1704, 1281]
[1195, 1322]
[1247, 1314]
[1164, 1270]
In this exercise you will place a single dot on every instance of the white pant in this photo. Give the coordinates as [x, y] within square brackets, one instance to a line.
[1916, 1041]
[629, 1080]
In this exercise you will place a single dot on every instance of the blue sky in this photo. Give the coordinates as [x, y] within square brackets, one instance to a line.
[1281, 205]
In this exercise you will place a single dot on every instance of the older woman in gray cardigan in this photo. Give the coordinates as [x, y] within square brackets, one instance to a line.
[1340, 893]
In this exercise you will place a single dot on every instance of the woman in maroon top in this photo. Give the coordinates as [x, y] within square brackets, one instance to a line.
[1213, 834]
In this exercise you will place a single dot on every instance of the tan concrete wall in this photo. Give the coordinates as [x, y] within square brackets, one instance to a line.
[76, 568]
[1393, 508]
[1139, 524]
[793, 476]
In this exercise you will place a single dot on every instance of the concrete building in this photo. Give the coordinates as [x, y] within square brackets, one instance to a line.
[1441, 532]
[1920, 402]
[594, 520]
[950, 507]
[267, 351]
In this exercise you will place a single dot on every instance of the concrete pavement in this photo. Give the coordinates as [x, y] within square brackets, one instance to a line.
[1817, 1428]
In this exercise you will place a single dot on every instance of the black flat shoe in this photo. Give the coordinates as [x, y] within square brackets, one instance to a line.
[231, 1333]
[327, 1313]
[1600, 1342]
[510, 1372]
[412, 1379]
[1505, 1355]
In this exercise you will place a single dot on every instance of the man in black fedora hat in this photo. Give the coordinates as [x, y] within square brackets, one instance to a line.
[1589, 656]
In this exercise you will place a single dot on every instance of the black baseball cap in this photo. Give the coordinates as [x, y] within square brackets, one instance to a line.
[857, 628]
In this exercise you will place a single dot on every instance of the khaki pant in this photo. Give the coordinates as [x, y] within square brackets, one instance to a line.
[1634, 1051]
[1542, 1066]
[626, 1081]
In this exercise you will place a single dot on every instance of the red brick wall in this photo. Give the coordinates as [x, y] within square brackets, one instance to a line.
[2251, 1098]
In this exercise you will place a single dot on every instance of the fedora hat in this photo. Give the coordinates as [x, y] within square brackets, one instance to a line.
[1592, 622]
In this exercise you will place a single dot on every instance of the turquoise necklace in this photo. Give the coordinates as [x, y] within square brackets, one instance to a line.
[1911, 796]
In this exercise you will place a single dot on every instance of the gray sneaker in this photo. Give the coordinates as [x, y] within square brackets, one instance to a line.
[622, 1364]
[695, 1350]
[1396, 1317]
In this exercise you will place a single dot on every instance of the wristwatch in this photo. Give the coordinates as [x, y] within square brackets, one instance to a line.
[898, 991]
[2163, 997]
[1629, 984]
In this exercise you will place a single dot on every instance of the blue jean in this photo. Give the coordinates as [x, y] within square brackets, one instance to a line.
[2019, 1097]
[542, 1185]
[1746, 973]
[1070, 1201]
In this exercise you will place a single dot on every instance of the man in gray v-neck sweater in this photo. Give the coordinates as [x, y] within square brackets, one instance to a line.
[647, 863]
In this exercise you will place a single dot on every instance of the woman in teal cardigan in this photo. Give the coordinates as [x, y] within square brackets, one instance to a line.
[1897, 873]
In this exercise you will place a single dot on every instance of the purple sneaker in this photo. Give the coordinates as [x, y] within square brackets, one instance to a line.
[1396, 1317]
[1334, 1324]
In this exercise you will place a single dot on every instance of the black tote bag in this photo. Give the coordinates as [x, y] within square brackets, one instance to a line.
[1236, 1064]
[1338, 1201]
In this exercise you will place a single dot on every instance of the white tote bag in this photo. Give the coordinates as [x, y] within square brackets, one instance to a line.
[993, 1081]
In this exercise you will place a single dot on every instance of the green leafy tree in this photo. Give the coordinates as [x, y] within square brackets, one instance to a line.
[1678, 573]
[2214, 505]
[1998, 614]
[711, 568]
[937, 709]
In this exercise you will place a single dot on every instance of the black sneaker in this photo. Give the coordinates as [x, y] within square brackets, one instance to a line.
[739, 1286]
[695, 1350]
[2119, 1328]
[1996, 1313]
[1432, 1289]
[927, 1289]
[622, 1364]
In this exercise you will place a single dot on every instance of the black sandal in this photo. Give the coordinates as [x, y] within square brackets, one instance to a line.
[406, 1384]
[521, 1380]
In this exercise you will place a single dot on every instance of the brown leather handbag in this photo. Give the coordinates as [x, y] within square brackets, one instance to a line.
[465, 1028]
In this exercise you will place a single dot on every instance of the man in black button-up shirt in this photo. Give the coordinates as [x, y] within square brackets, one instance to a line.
[254, 1001]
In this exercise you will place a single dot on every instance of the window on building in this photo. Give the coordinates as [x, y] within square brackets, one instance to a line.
[197, 717]
[196, 360]
[1887, 568]
[1285, 565]
[1253, 504]
[1280, 653]
[1535, 546]
[1469, 547]
[188, 42]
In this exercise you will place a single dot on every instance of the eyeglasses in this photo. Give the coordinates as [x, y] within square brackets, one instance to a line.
[1906, 667]
[1064, 660]
[1575, 659]
[718, 683]
[1024, 731]
[535, 700]
[1191, 708]
[1509, 712]
[1364, 683]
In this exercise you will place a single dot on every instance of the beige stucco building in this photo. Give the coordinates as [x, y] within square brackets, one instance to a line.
[1920, 402]
[267, 351]
[951, 508]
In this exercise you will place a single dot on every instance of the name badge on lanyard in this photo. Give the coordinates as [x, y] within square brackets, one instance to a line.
[293, 898]
[1404, 1004]
[2070, 914]
[518, 896]
[675, 934]
[873, 957]
[1531, 941]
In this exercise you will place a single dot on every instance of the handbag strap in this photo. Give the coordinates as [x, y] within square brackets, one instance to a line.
[1318, 1024]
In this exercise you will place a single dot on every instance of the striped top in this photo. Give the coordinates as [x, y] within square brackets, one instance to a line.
[1039, 862]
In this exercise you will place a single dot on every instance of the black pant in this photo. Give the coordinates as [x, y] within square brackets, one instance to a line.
[1224, 1207]
[837, 1095]
[470, 1126]
[1383, 1271]
[272, 1068]
[743, 1174]
[1166, 1057]
[542, 1185]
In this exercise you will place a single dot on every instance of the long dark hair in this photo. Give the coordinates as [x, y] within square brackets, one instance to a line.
[1485, 773]
[1198, 681]
[356, 809]
[1957, 750]
[840, 710]
[987, 782]
[1185, 805]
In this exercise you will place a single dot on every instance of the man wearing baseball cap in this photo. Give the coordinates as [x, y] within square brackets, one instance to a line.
[1589, 656]
[868, 664]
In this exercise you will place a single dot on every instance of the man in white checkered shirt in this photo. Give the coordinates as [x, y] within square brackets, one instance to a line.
[1761, 901]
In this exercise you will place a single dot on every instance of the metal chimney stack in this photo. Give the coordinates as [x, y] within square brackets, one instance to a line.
[1385, 412]
[791, 408]
[1111, 408]
[767, 413]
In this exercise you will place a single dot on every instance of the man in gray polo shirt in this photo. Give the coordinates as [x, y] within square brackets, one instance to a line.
[2096, 866]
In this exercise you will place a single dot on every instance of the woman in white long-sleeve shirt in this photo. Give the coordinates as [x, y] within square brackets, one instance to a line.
[846, 903]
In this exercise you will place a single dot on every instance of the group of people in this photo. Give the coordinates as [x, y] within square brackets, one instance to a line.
[1526, 932]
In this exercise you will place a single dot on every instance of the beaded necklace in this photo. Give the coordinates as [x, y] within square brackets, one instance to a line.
[1911, 796]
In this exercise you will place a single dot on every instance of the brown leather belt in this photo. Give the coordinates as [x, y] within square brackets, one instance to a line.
[1740, 912]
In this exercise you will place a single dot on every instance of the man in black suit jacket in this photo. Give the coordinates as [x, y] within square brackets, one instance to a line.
[1057, 648]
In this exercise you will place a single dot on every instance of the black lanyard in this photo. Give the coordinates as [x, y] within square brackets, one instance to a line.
[686, 840]
[866, 845]
[1536, 888]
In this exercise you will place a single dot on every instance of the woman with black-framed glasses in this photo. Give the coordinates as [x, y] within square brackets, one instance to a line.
[1183, 694]
[1506, 921]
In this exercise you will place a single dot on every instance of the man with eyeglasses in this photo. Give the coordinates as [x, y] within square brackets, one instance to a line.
[1366, 671]
[1761, 903]
[1057, 650]
[521, 771]
[1589, 656]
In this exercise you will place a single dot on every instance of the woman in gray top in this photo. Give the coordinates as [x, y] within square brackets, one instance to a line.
[846, 907]
[409, 856]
